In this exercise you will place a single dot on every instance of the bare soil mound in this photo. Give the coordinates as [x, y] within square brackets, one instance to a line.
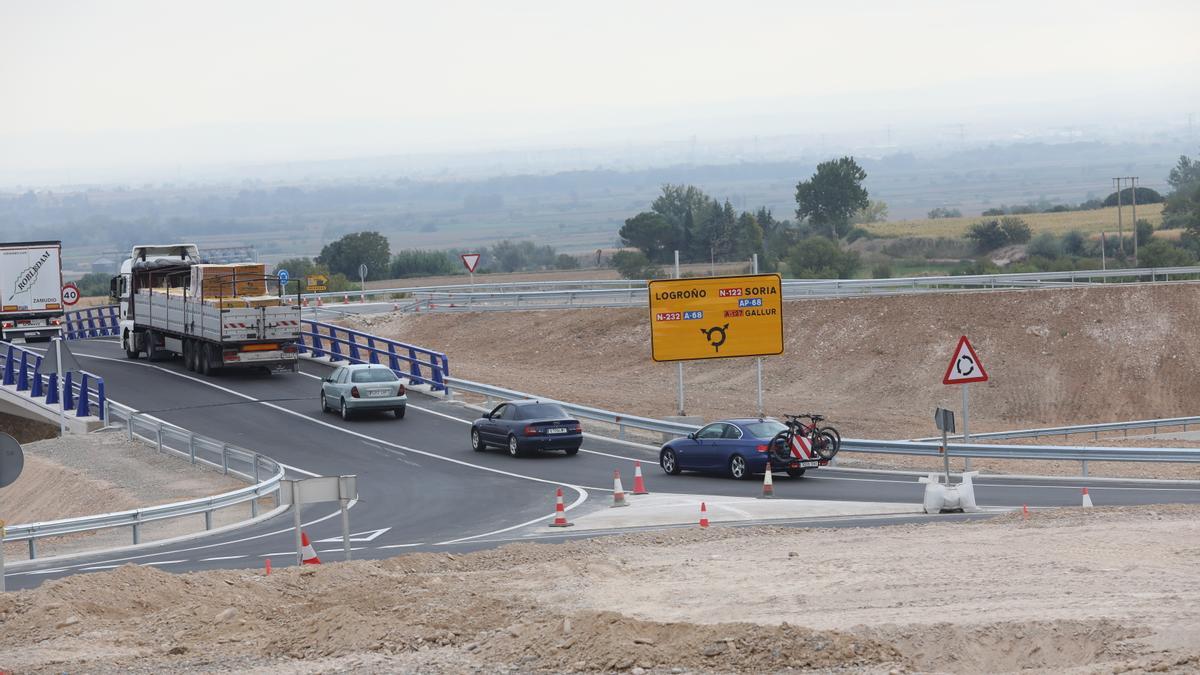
[873, 364]
[997, 596]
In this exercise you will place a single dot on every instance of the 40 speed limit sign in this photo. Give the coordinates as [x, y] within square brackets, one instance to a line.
[70, 294]
[716, 317]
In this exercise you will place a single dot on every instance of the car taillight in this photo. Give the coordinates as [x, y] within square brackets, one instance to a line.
[577, 429]
[230, 356]
[290, 349]
[56, 322]
[354, 392]
[8, 324]
[401, 391]
[762, 448]
[531, 430]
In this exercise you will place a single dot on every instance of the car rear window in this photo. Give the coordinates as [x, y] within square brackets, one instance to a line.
[373, 375]
[541, 411]
[765, 429]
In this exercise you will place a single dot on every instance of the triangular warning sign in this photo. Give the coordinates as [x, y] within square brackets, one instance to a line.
[965, 366]
[470, 260]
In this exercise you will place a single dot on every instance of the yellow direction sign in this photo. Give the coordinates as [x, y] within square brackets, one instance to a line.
[716, 317]
[315, 282]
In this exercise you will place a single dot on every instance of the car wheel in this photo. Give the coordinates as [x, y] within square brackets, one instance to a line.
[737, 468]
[669, 462]
[324, 403]
[477, 443]
[513, 448]
[571, 452]
[399, 412]
[345, 410]
[795, 473]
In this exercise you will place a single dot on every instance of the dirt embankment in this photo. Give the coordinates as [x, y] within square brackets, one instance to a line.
[873, 364]
[990, 597]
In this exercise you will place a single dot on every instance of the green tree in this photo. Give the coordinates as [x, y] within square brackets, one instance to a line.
[876, 211]
[1074, 242]
[1016, 231]
[94, 284]
[1046, 245]
[346, 254]
[987, 235]
[820, 258]
[943, 212]
[417, 263]
[650, 233]
[566, 261]
[1162, 253]
[832, 196]
[634, 265]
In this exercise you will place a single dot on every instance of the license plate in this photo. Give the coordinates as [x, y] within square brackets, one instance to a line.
[556, 430]
[379, 393]
[809, 465]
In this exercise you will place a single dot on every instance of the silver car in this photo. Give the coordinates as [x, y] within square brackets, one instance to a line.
[363, 386]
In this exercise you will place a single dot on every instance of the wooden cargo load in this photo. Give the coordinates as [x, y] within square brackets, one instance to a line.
[228, 281]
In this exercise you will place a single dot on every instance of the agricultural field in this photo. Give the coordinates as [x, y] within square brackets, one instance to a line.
[1092, 222]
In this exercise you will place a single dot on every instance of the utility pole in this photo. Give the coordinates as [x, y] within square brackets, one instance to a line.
[1133, 195]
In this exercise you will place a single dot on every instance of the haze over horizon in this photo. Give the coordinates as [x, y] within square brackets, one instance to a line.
[97, 90]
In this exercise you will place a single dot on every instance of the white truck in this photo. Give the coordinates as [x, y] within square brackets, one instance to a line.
[31, 305]
[162, 316]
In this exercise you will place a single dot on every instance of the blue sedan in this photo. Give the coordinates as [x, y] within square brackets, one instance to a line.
[739, 448]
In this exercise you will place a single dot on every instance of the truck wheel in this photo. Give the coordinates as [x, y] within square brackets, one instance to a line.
[188, 355]
[202, 362]
[127, 342]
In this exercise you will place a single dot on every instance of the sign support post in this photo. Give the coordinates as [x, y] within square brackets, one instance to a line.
[345, 526]
[966, 435]
[680, 364]
[296, 521]
[470, 261]
[758, 360]
[965, 368]
[62, 414]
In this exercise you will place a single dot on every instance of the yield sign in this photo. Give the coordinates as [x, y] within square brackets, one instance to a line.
[965, 366]
[470, 261]
[369, 535]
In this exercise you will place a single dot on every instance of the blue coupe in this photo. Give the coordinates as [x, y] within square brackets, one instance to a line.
[739, 448]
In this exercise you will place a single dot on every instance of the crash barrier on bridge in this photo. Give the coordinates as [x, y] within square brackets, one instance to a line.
[91, 322]
[263, 472]
[338, 344]
[605, 293]
[926, 448]
[83, 392]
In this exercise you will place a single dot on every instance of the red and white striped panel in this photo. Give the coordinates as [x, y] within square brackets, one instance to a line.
[801, 449]
[236, 325]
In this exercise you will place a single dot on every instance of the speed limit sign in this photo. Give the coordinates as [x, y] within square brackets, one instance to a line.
[70, 294]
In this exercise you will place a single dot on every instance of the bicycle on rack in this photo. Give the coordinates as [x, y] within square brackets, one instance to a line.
[804, 446]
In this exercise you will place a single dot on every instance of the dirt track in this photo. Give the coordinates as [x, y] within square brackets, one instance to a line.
[1096, 591]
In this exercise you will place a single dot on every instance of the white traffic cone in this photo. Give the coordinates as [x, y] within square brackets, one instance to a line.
[768, 491]
[618, 491]
[1087, 499]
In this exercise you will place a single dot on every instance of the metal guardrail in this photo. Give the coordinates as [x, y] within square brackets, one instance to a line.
[927, 448]
[1094, 429]
[91, 322]
[231, 460]
[338, 343]
[608, 293]
[22, 369]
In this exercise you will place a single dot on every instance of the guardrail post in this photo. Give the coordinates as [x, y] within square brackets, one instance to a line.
[373, 358]
[23, 374]
[335, 349]
[137, 538]
[68, 390]
[101, 400]
[439, 384]
[208, 519]
[8, 368]
[393, 361]
[82, 410]
[129, 425]
[225, 459]
[32, 549]
[1084, 467]
[191, 447]
[35, 391]
[158, 436]
[414, 366]
[352, 339]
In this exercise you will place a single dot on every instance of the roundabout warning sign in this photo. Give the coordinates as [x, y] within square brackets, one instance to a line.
[716, 317]
[965, 367]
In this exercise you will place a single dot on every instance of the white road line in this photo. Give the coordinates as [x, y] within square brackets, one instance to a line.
[97, 568]
[339, 550]
[272, 555]
[222, 557]
[292, 468]
[162, 562]
[420, 543]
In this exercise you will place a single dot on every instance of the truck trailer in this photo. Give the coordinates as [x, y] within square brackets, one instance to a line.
[31, 305]
[215, 317]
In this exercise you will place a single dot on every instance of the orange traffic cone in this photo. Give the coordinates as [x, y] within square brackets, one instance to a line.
[703, 515]
[618, 491]
[319, 303]
[768, 484]
[639, 483]
[345, 298]
[1025, 511]
[308, 555]
[560, 511]
[268, 567]
[1087, 499]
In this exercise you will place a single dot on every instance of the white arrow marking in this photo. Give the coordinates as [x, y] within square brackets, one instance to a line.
[369, 535]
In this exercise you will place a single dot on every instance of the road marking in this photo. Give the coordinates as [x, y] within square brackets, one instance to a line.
[339, 550]
[222, 557]
[292, 468]
[369, 535]
[272, 555]
[97, 568]
[162, 562]
[420, 543]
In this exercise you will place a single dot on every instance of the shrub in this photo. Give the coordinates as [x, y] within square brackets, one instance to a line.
[1045, 245]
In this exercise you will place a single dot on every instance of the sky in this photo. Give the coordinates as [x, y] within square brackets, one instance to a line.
[111, 85]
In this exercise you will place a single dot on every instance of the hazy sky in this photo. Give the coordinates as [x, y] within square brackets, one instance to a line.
[118, 84]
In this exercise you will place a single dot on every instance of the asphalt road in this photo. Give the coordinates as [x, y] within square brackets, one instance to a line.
[421, 486]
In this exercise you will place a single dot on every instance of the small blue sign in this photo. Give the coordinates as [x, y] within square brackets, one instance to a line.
[283, 277]
[693, 315]
[750, 302]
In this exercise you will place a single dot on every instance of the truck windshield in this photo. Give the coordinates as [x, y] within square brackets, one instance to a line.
[373, 375]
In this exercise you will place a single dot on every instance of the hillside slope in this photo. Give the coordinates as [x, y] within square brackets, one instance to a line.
[873, 364]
